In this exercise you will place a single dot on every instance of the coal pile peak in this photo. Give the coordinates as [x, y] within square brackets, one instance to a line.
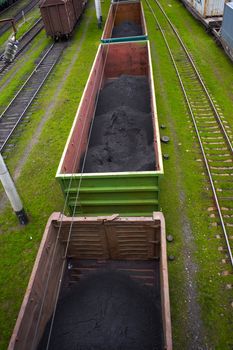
[107, 310]
[122, 134]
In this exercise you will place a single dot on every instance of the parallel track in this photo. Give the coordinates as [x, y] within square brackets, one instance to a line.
[4, 27]
[17, 108]
[7, 8]
[23, 43]
[214, 140]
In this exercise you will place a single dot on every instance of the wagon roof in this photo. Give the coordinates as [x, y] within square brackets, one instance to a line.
[45, 3]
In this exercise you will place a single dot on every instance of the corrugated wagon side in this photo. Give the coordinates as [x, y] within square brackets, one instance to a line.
[206, 8]
[95, 243]
[130, 192]
[60, 16]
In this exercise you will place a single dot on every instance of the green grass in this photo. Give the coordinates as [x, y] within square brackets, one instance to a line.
[183, 188]
[22, 27]
[22, 69]
[183, 173]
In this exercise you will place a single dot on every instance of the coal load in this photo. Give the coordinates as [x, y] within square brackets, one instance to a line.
[126, 29]
[122, 133]
[106, 311]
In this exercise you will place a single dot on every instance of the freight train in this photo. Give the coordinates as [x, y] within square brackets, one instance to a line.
[112, 251]
[217, 17]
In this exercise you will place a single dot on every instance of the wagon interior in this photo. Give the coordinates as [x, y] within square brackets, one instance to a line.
[112, 62]
[125, 20]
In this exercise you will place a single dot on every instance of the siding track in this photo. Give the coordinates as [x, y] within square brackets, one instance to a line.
[17, 108]
[24, 41]
[213, 136]
[31, 4]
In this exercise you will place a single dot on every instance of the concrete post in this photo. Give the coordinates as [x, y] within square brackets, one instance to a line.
[98, 12]
[12, 193]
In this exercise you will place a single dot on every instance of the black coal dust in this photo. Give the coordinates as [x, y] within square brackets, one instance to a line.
[122, 133]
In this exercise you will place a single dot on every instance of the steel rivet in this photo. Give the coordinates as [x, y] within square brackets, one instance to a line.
[170, 238]
[165, 139]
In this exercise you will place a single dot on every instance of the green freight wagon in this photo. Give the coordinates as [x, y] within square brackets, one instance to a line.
[128, 193]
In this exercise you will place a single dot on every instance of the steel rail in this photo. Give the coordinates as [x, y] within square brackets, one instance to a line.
[30, 29]
[199, 77]
[196, 128]
[21, 115]
[34, 70]
[26, 43]
[19, 15]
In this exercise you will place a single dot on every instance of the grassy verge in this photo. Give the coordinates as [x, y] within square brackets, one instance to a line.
[185, 174]
[22, 69]
[22, 27]
[212, 62]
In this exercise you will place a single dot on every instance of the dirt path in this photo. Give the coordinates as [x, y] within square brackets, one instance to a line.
[194, 326]
[194, 329]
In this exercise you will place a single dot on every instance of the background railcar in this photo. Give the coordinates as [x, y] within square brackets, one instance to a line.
[207, 8]
[226, 32]
[60, 16]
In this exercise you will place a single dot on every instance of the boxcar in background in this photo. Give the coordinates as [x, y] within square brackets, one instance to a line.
[6, 3]
[60, 16]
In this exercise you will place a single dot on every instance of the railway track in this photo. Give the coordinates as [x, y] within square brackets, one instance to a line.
[17, 108]
[19, 15]
[7, 8]
[24, 41]
[213, 135]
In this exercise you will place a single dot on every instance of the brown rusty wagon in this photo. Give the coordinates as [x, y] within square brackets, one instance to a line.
[136, 246]
[125, 22]
[60, 16]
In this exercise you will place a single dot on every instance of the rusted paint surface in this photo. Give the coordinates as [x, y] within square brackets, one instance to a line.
[120, 12]
[126, 235]
[60, 16]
